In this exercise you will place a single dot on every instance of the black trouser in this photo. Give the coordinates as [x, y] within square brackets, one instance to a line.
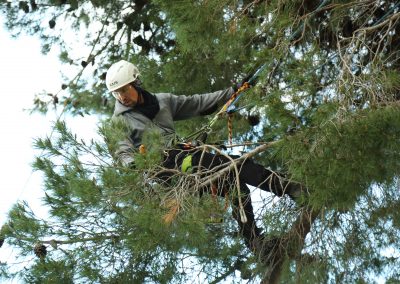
[250, 173]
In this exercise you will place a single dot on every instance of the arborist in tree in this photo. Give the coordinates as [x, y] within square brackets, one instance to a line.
[142, 110]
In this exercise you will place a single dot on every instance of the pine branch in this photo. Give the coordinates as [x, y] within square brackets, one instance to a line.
[235, 162]
[224, 275]
[54, 243]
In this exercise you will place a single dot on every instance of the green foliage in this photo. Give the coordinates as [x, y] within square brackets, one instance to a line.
[343, 157]
[329, 95]
[102, 216]
[154, 147]
[114, 130]
[51, 271]
[391, 81]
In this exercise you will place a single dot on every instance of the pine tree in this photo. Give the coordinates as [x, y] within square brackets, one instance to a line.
[328, 111]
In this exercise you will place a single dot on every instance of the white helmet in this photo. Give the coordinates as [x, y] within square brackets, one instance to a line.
[120, 74]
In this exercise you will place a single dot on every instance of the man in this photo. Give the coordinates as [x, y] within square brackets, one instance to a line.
[141, 110]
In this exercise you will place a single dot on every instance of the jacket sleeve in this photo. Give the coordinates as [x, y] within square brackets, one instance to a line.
[184, 107]
[124, 153]
[127, 146]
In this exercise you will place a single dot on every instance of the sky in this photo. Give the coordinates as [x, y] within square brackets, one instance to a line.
[24, 72]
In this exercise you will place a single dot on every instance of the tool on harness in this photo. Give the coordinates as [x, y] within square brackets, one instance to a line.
[186, 166]
[214, 217]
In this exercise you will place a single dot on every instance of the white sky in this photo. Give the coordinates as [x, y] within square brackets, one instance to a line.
[24, 71]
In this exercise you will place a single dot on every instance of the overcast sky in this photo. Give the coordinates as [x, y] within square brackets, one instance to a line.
[24, 71]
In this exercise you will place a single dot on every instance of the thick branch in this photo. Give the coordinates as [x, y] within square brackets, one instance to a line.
[211, 179]
[368, 29]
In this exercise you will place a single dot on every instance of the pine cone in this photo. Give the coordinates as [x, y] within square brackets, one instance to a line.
[40, 250]
[52, 24]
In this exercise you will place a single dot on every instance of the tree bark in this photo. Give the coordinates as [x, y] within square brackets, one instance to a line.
[289, 246]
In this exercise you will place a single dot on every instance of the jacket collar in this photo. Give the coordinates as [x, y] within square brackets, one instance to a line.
[120, 108]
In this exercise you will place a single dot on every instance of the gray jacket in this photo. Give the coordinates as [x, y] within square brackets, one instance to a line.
[172, 108]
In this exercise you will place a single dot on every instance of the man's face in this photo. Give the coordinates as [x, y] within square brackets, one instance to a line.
[127, 95]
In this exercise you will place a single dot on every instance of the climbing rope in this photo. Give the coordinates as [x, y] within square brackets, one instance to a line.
[230, 127]
[228, 108]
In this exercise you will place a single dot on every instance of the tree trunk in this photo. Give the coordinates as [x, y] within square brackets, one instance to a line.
[289, 246]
